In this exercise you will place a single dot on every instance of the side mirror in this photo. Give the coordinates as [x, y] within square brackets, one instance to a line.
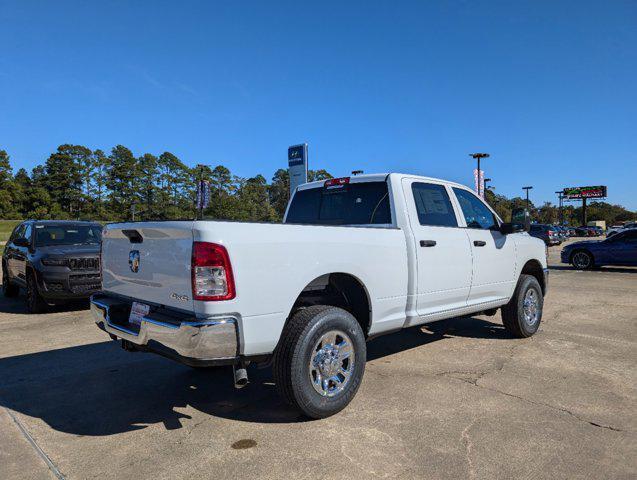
[21, 242]
[506, 228]
[521, 218]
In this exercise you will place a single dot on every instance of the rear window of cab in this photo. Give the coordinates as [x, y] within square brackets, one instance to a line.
[365, 203]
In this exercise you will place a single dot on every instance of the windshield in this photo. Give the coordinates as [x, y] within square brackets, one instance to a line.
[350, 204]
[46, 235]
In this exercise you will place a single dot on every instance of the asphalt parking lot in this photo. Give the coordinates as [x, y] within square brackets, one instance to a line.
[455, 399]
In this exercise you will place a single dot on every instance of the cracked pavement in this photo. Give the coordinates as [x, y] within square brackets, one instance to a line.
[454, 399]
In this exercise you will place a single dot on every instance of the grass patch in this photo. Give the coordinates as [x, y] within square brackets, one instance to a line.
[6, 227]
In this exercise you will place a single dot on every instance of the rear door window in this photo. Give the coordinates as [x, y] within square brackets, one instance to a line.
[433, 205]
[350, 204]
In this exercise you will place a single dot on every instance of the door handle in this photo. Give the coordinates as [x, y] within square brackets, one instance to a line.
[479, 243]
[427, 243]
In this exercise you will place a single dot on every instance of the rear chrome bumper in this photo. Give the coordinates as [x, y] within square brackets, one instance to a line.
[189, 340]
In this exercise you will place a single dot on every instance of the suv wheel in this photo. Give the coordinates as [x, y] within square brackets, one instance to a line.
[523, 314]
[582, 260]
[35, 302]
[320, 361]
[8, 289]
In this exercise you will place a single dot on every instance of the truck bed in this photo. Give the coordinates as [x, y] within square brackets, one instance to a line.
[271, 263]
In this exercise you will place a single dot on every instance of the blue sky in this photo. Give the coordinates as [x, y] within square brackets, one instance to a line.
[547, 88]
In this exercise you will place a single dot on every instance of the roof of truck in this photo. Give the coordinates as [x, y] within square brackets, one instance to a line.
[63, 222]
[378, 177]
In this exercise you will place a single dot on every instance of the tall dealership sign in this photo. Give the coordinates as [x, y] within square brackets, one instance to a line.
[297, 165]
[577, 193]
[583, 194]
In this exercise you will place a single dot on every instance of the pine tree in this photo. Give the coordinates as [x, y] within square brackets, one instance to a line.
[63, 170]
[123, 181]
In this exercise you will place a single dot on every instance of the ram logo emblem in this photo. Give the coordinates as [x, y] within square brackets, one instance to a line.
[133, 261]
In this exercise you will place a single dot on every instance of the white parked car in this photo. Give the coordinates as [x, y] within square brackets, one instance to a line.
[354, 258]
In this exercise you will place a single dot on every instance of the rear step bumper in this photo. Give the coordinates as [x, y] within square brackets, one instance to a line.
[182, 337]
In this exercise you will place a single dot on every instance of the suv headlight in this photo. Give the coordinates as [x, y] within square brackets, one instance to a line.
[54, 262]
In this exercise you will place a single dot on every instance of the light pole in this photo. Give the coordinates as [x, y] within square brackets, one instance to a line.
[478, 157]
[559, 208]
[199, 205]
[486, 180]
[527, 195]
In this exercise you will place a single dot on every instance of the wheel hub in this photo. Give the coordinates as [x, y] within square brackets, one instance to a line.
[531, 307]
[332, 363]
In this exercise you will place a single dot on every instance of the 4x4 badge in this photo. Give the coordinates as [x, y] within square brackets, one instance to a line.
[133, 260]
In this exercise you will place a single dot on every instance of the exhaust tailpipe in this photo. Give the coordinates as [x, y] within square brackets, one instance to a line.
[240, 376]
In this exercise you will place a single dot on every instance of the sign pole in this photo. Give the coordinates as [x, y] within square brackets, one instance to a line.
[584, 211]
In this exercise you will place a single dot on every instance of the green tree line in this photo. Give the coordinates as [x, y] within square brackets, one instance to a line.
[76, 182]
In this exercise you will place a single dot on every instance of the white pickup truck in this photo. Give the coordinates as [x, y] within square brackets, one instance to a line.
[354, 258]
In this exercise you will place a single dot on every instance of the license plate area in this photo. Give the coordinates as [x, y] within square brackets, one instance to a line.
[137, 313]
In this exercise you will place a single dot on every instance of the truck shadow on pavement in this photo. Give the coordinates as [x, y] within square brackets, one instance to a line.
[98, 389]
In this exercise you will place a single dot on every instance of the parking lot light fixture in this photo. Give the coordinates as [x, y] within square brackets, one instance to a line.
[527, 195]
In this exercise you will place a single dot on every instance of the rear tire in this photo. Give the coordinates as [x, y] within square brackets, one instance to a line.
[35, 302]
[320, 360]
[9, 289]
[523, 314]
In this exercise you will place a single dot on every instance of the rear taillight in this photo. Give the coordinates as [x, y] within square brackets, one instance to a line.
[551, 232]
[211, 272]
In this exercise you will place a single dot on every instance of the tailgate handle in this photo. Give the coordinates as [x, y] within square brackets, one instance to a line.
[134, 236]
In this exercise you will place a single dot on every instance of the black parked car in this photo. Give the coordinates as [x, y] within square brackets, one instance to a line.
[548, 233]
[55, 261]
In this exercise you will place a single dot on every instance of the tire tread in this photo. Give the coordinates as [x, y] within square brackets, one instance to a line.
[511, 311]
[283, 355]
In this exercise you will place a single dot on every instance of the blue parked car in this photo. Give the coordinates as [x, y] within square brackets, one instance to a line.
[620, 249]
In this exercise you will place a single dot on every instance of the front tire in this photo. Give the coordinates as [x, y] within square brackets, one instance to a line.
[9, 289]
[582, 260]
[523, 314]
[35, 302]
[320, 361]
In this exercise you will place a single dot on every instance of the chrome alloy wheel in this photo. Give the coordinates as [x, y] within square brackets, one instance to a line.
[531, 307]
[581, 260]
[332, 363]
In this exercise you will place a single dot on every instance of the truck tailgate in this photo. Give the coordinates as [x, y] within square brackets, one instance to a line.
[149, 261]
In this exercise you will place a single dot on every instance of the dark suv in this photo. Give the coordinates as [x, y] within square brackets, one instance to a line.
[55, 261]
